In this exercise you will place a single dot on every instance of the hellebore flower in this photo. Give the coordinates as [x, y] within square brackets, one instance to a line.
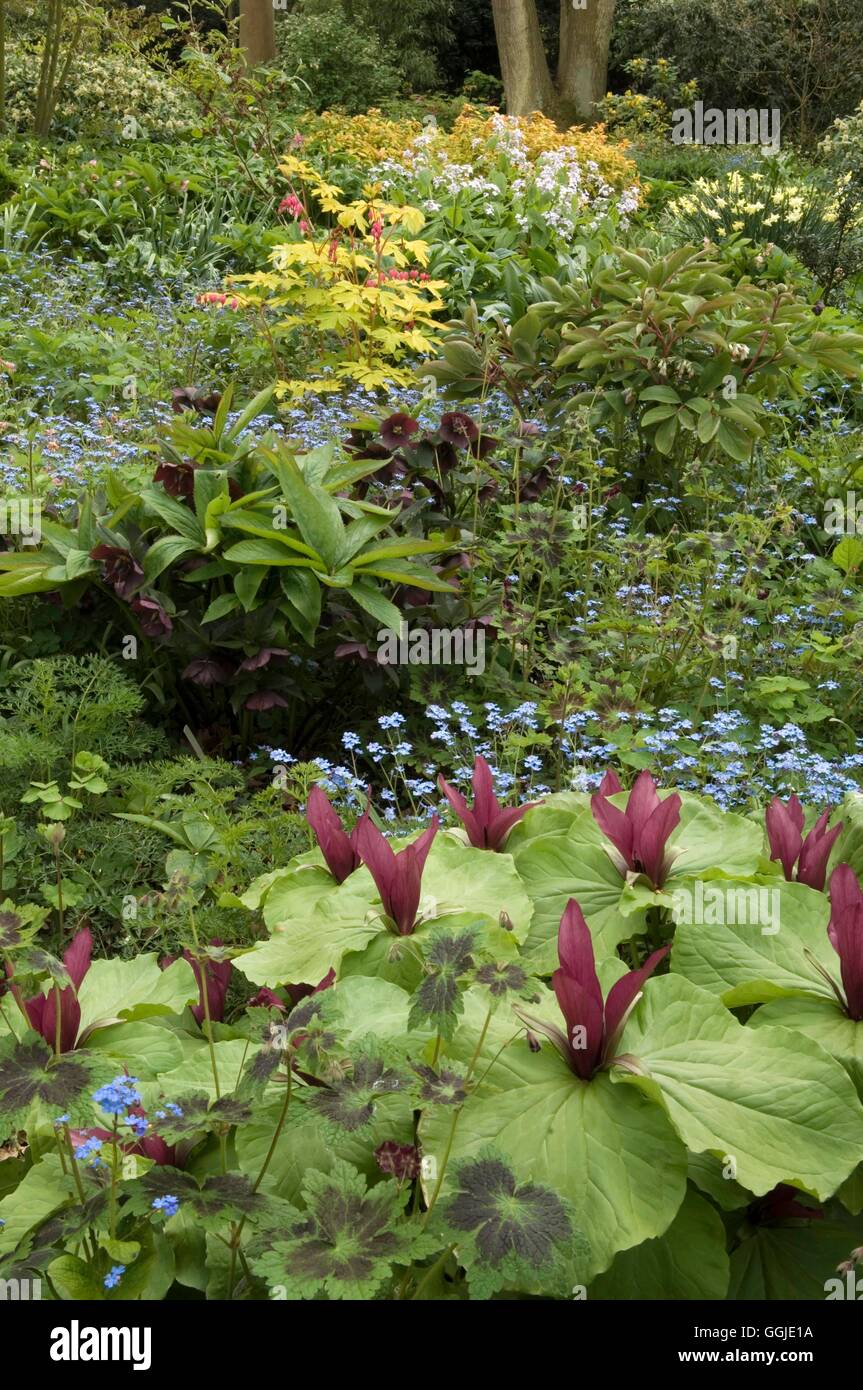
[593, 1026]
[398, 877]
[458, 428]
[488, 824]
[846, 937]
[341, 851]
[218, 977]
[42, 1010]
[640, 833]
[152, 617]
[397, 430]
[121, 569]
[785, 833]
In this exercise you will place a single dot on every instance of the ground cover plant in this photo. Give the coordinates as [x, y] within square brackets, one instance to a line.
[431, 812]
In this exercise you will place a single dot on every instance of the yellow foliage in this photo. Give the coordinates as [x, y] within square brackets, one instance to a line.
[474, 139]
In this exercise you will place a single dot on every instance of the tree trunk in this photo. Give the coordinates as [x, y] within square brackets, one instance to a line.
[527, 81]
[582, 72]
[257, 31]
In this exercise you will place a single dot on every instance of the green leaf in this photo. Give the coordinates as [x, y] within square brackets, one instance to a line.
[772, 1100]
[113, 990]
[794, 1259]
[314, 511]
[688, 1261]
[621, 1167]
[743, 964]
[823, 1021]
[164, 552]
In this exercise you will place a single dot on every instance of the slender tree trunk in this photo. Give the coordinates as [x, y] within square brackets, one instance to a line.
[582, 71]
[258, 31]
[527, 81]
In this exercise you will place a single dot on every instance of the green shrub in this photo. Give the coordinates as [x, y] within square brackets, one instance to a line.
[343, 65]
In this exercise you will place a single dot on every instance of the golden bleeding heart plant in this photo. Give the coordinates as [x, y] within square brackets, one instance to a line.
[352, 284]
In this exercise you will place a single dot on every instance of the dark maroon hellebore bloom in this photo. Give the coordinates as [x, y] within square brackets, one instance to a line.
[120, 569]
[593, 1025]
[488, 824]
[641, 832]
[397, 876]
[785, 834]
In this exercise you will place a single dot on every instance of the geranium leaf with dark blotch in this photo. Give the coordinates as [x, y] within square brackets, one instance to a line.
[210, 1203]
[345, 1244]
[510, 1234]
[30, 1072]
[502, 977]
[65, 1225]
[33, 965]
[445, 1087]
[200, 1116]
[437, 1001]
[350, 1104]
[11, 930]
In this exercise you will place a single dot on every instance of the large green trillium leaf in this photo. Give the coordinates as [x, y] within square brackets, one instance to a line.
[823, 1021]
[458, 881]
[742, 962]
[795, 1259]
[575, 863]
[555, 868]
[773, 1101]
[43, 1189]
[620, 1167]
[114, 990]
[688, 1261]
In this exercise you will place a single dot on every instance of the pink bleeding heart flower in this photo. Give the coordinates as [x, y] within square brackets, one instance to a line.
[397, 876]
[488, 824]
[640, 834]
[340, 850]
[593, 1023]
[785, 835]
[846, 937]
[42, 1010]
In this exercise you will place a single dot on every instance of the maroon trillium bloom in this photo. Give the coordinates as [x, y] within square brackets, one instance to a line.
[640, 833]
[488, 824]
[42, 1010]
[341, 851]
[121, 569]
[397, 430]
[593, 1025]
[218, 977]
[610, 784]
[785, 834]
[846, 937]
[398, 877]
[782, 1204]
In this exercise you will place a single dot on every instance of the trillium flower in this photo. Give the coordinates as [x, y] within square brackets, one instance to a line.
[846, 937]
[397, 876]
[640, 833]
[785, 834]
[218, 977]
[341, 851]
[593, 1024]
[488, 824]
[42, 1010]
